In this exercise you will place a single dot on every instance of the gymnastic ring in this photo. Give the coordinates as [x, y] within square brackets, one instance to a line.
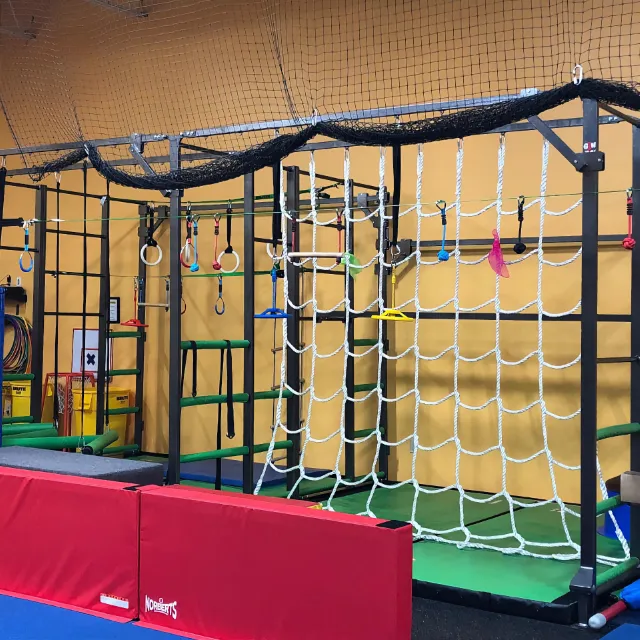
[218, 301]
[185, 256]
[22, 267]
[143, 255]
[275, 258]
[235, 255]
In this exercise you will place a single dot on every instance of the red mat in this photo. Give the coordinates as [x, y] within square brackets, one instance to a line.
[70, 541]
[237, 568]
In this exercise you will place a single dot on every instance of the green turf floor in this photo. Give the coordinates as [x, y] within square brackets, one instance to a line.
[514, 575]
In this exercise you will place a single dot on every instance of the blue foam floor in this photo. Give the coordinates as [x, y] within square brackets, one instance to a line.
[205, 471]
[26, 620]
[624, 632]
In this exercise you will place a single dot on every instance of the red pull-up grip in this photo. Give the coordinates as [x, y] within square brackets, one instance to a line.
[629, 242]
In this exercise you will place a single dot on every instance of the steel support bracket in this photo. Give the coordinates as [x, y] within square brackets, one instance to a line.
[589, 160]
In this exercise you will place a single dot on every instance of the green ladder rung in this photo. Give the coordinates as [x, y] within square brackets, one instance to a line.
[365, 342]
[237, 397]
[23, 429]
[127, 448]
[606, 505]
[231, 452]
[17, 377]
[124, 334]
[369, 386]
[363, 433]
[215, 344]
[123, 372]
[272, 395]
[618, 430]
[17, 420]
[630, 564]
[120, 411]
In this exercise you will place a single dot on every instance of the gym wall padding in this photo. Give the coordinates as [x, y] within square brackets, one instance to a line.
[69, 541]
[218, 566]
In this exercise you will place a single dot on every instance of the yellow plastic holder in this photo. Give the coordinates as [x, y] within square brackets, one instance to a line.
[392, 315]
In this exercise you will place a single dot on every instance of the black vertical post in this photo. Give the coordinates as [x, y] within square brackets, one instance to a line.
[249, 332]
[383, 462]
[634, 541]
[39, 266]
[293, 326]
[349, 409]
[175, 321]
[140, 343]
[584, 581]
[103, 320]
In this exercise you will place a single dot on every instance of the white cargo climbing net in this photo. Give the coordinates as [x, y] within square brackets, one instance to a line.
[565, 547]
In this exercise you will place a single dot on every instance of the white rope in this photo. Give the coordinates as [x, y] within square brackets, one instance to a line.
[511, 540]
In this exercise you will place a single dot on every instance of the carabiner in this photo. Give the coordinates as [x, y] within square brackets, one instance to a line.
[219, 306]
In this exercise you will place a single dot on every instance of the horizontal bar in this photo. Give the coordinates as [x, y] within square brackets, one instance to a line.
[607, 505]
[125, 334]
[630, 564]
[153, 304]
[123, 372]
[66, 192]
[72, 314]
[17, 377]
[51, 432]
[215, 344]
[339, 316]
[237, 397]
[193, 157]
[225, 274]
[362, 114]
[315, 254]
[20, 249]
[321, 176]
[55, 443]
[215, 399]
[233, 451]
[20, 429]
[370, 386]
[620, 360]
[120, 411]
[75, 233]
[127, 448]
[533, 240]
[365, 342]
[363, 433]
[272, 395]
[620, 114]
[618, 430]
[17, 420]
[52, 272]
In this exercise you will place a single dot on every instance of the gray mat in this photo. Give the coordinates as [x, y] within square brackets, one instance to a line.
[75, 464]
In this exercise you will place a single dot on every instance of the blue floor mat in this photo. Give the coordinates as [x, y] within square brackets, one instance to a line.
[26, 620]
[205, 471]
[624, 632]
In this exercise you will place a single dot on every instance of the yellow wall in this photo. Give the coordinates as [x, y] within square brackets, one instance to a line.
[522, 434]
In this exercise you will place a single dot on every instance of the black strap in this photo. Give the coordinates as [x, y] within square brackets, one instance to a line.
[395, 208]
[3, 184]
[229, 248]
[231, 430]
[520, 247]
[194, 374]
[276, 218]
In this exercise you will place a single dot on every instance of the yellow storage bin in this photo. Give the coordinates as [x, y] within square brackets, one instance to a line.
[118, 399]
[16, 399]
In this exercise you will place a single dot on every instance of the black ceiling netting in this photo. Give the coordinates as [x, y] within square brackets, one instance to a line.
[262, 77]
